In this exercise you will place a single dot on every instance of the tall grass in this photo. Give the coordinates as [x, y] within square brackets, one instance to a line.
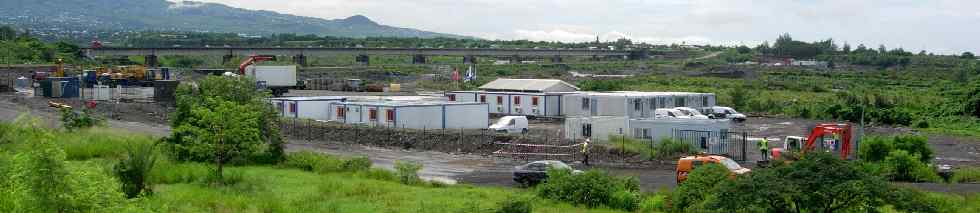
[99, 143]
[966, 175]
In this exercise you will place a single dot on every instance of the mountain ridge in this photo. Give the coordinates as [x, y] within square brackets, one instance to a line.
[162, 15]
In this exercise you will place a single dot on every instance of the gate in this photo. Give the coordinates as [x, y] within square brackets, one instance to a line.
[731, 144]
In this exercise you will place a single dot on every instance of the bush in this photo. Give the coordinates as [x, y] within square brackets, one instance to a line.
[915, 145]
[134, 170]
[875, 149]
[966, 175]
[655, 203]
[408, 172]
[901, 166]
[516, 205]
[314, 162]
[72, 120]
[593, 188]
[357, 164]
[671, 149]
[699, 185]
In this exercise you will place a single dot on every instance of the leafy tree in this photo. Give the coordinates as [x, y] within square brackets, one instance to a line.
[40, 176]
[7, 33]
[967, 55]
[225, 118]
[699, 185]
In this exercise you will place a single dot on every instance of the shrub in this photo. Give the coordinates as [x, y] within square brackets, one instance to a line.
[72, 120]
[312, 161]
[875, 149]
[40, 178]
[671, 149]
[915, 145]
[357, 164]
[902, 166]
[408, 172]
[655, 203]
[698, 186]
[966, 175]
[515, 205]
[135, 168]
[593, 188]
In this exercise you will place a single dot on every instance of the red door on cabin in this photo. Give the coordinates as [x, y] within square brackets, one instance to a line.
[341, 113]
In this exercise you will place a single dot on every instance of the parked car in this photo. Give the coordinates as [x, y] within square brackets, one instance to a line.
[691, 112]
[510, 124]
[535, 172]
[720, 112]
[687, 164]
[669, 113]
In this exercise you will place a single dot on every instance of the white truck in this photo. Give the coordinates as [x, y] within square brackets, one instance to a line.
[279, 79]
[510, 124]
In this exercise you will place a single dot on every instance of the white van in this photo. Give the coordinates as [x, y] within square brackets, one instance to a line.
[720, 112]
[669, 113]
[510, 124]
[691, 112]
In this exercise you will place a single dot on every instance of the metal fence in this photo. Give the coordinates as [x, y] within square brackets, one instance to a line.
[731, 144]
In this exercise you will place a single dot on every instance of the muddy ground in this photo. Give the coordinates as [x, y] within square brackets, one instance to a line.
[495, 171]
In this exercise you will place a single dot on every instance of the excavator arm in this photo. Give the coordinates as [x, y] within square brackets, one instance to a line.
[252, 60]
[821, 130]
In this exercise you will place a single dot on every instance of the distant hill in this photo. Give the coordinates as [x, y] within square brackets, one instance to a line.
[67, 17]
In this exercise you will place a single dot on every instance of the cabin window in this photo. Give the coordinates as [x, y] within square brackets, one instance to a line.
[341, 113]
[500, 100]
[663, 102]
[390, 114]
[679, 102]
[452, 97]
[483, 98]
[637, 105]
[587, 130]
[585, 103]
[292, 107]
[534, 101]
[373, 114]
[517, 100]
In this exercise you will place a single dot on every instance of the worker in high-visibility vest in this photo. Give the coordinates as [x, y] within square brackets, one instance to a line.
[764, 148]
[585, 152]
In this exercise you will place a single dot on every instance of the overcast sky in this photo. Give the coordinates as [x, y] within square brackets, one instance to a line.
[941, 26]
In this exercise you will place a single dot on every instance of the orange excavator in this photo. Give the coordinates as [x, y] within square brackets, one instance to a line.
[252, 60]
[833, 138]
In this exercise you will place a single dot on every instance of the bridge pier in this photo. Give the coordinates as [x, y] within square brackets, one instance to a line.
[556, 59]
[469, 59]
[225, 59]
[299, 60]
[516, 59]
[363, 59]
[418, 59]
[151, 61]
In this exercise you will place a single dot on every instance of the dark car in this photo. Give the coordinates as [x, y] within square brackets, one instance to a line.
[535, 172]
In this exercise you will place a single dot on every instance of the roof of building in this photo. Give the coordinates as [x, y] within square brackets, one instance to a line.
[635, 93]
[312, 98]
[392, 103]
[529, 85]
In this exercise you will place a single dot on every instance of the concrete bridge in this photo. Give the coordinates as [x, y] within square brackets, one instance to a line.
[362, 54]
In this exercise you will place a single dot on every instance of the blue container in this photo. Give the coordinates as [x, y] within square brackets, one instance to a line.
[165, 73]
[91, 78]
[70, 88]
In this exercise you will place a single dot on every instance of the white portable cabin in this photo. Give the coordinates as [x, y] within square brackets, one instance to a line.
[412, 114]
[316, 108]
[527, 97]
[631, 104]
[514, 103]
[600, 128]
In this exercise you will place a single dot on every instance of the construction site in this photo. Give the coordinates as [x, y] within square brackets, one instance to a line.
[464, 136]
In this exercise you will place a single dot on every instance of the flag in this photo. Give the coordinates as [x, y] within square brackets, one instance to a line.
[470, 74]
[455, 74]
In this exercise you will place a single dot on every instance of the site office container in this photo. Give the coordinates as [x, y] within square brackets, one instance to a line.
[631, 104]
[601, 128]
[316, 108]
[514, 103]
[412, 115]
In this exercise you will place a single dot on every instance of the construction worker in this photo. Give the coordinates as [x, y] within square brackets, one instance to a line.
[764, 148]
[585, 152]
